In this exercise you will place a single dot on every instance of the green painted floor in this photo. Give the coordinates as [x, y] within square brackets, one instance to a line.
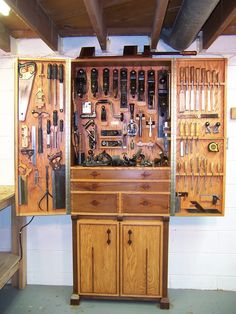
[55, 300]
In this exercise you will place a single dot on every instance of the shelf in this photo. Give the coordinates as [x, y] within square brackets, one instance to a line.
[9, 264]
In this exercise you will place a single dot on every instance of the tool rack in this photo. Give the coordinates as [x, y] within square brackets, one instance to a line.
[40, 145]
[201, 136]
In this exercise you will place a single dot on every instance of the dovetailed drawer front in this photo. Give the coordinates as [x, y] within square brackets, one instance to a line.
[120, 173]
[94, 203]
[162, 186]
[145, 203]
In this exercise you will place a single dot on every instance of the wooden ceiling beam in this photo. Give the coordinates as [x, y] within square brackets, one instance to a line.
[220, 18]
[160, 12]
[34, 16]
[95, 12]
[4, 38]
[111, 31]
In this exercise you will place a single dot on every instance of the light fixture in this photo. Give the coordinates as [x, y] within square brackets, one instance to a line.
[4, 8]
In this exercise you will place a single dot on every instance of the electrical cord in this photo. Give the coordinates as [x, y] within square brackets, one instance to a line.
[20, 237]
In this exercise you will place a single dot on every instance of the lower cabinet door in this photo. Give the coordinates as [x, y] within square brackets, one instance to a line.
[141, 258]
[98, 259]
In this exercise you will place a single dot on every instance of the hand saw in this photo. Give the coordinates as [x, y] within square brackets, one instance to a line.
[26, 72]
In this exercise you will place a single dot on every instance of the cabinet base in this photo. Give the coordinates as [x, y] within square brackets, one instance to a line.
[164, 304]
[75, 299]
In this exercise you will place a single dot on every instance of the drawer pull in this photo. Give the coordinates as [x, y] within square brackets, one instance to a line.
[95, 203]
[108, 236]
[129, 241]
[145, 174]
[94, 174]
[145, 187]
[145, 203]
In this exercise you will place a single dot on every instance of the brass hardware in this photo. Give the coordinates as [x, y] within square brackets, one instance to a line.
[108, 236]
[129, 241]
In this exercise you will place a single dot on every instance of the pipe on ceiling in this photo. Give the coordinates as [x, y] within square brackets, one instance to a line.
[189, 21]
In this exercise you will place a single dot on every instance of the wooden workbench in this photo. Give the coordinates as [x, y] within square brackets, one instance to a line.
[10, 264]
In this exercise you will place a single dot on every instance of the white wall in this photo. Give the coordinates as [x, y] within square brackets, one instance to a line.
[202, 250]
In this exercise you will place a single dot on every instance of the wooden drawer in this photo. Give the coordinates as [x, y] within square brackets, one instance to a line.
[162, 186]
[120, 173]
[145, 203]
[94, 202]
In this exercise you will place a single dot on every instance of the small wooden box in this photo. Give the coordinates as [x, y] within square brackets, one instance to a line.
[233, 113]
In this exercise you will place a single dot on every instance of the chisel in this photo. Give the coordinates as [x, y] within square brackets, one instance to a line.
[55, 124]
[192, 98]
[49, 77]
[187, 95]
[208, 91]
[61, 85]
[181, 133]
[181, 92]
[214, 82]
[192, 173]
[186, 133]
[203, 80]
[198, 176]
[61, 128]
[48, 133]
[197, 105]
[192, 127]
[197, 134]
[54, 77]
[185, 176]
[33, 140]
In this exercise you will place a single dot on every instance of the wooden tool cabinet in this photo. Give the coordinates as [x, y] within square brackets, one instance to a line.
[120, 214]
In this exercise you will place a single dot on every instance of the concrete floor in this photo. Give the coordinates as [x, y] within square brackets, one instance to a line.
[55, 300]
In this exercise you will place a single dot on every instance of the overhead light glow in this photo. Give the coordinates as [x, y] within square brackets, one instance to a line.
[4, 8]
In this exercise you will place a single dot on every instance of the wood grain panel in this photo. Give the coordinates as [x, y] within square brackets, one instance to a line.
[161, 186]
[109, 173]
[94, 203]
[98, 260]
[145, 203]
[141, 260]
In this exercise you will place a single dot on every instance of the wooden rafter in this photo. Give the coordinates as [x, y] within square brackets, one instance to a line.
[95, 12]
[111, 31]
[220, 18]
[34, 16]
[160, 12]
[4, 38]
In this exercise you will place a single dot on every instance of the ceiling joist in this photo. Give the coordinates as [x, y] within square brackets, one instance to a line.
[35, 17]
[4, 38]
[95, 12]
[160, 12]
[127, 31]
[220, 18]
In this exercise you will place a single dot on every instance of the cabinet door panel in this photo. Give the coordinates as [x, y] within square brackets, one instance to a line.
[141, 261]
[98, 260]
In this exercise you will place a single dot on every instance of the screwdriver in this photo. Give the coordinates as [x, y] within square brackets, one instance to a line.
[61, 127]
[55, 124]
[48, 133]
[54, 77]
